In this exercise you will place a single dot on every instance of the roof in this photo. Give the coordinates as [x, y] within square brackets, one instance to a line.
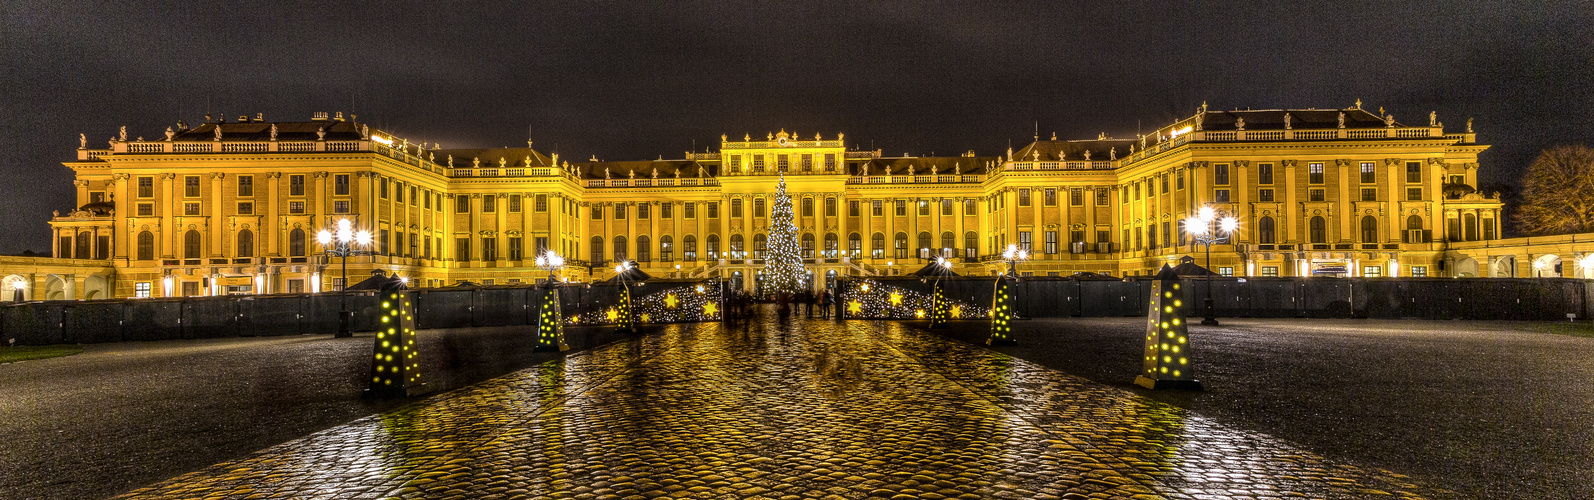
[1273, 119]
[923, 165]
[261, 131]
[1055, 150]
[646, 169]
[490, 158]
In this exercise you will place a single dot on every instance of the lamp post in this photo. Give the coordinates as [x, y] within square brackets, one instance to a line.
[550, 261]
[1204, 232]
[1013, 255]
[17, 287]
[342, 241]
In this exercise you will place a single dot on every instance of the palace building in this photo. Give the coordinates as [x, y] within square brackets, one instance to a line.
[229, 207]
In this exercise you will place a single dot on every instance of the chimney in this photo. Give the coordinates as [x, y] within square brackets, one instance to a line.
[319, 116]
[243, 118]
[260, 117]
[339, 117]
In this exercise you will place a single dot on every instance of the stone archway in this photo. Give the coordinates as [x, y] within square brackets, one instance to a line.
[96, 287]
[57, 288]
[1547, 266]
[1467, 267]
[11, 284]
[1505, 267]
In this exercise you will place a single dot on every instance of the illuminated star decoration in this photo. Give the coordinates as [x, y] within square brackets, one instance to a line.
[645, 317]
[710, 309]
[918, 314]
[896, 298]
[957, 311]
[670, 301]
[612, 314]
[855, 308]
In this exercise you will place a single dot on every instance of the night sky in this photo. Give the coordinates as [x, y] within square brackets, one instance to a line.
[633, 81]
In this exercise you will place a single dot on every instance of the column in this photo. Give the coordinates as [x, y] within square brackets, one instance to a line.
[1345, 214]
[318, 197]
[119, 226]
[1289, 220]
[168, 207]
[272, 227]
[218, 231]
[445, 244]
[957, 227]
[841, 226]
[653, 229]
[501, 226]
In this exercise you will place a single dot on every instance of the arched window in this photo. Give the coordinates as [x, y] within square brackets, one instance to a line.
[1469, 223]
[689, 248]
[1319, 230]
[736, 247]
[760, 246]
[1414, 229]
[81, 247]
[902, 245]
[971, 244]
[246, 243]
[948, 242]
[296, 243]
[831, 242]
[924, 245]
[1264, 230]
[193, 247]
[597, 250]
[146, 246]
[619, 249]
[643, 253]
[877, 245]
[666, 248]
[1369, 229]
[712, 246]
[808, 244]
[855, 246]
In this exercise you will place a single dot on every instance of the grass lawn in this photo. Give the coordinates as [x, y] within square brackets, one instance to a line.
[24, 353]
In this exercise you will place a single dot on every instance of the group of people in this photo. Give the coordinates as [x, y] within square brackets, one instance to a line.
[824, 299]
[740, 304]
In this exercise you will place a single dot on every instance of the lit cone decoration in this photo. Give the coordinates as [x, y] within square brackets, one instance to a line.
[550, 323]
[1168, 356]
[940, 312]
[623, 321]
[395, 364]
[1002, 313]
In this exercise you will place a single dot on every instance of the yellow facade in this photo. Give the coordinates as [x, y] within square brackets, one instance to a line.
[1340, 192]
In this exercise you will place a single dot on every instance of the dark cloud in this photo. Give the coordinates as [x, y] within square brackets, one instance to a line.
[635, 80]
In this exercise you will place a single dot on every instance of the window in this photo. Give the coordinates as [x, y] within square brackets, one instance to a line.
[1264, 230]
[620, 254]
[1178, 180]
[1264, 195]
[689, 248]
[1470, 225]
[758, 164]
[760, 246]
[644, 252]
[971, 245]
[902, 208]
[807, 251]
[946, 206]
[141, 290]
[1369, 229]
[1414, 233]
[1264, 173]
[877, 245]
[1319, 230]
[1414, 172]
[489, 203]
[666, 248]
[540, 203]
[146, 245]
[852, 208]
[1314, 194]
[691, 210]
[1270, 271]
[1101, 197]
[1023, 197]
[426, 196]
[855, 246]
[382, 187]
[808, 163]
[667, 210]
[877, 208]
[713, 210]
[736, 246]
[643, 209]
[830, 207]
[712, 246]
[969, 207]
[808, 207]
[399, 193]
[1220, 174]
[1488, 229]
[1151, 236]
[736, 163]
[246, 185]
[462, 249]
[1166, 238]
[381, 242]
[1226, 271]
[831, 242]
[146, 187]
[246, 244]
[296, 185]
[1024, 241]
[489, 248]
[1368, 175]
[516, 250]
[462, 204]
[340, 184]
[902, 245]
[736, 208]
[1164, 183]
[619, 214]
[1369, 194]
[414, 239]
[1051, 242]
[597, 212]
[1076, 197]
[1419, 271]
[190, 209]
[514, 203]
[1413, 194]
[1104, 236]
[1314, 173]
[758, 208]
[782, 162]
[246, 208]
[1221, 195]
[924, 207]
[1051, 197]
[340, 207]
[830, 162]
[192, 245]
[296, 207]
[1137, 190]
[1372, 271]
[191, 186]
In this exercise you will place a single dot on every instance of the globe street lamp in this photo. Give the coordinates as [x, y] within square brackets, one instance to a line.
[17, 287]
[1201, 227]
[342, 241]
[1013, 255]
[552, 262]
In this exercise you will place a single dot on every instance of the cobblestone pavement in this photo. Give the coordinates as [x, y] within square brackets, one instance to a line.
[810, 409]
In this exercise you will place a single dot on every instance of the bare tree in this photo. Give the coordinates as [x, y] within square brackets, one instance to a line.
[1558, 192]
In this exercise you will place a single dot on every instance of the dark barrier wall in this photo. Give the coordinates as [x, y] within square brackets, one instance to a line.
[1386, 298]
[84, 322]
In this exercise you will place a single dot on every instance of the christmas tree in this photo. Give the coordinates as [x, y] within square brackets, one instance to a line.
[783, 270]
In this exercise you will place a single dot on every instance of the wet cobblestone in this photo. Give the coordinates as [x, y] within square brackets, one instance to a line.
[811, 409]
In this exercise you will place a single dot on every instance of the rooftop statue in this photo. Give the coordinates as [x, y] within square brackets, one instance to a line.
[1341, 119]
[123, 133]
[273, 131]
[83, 140]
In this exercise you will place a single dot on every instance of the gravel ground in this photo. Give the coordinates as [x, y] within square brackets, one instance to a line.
[125, 415]
[1489, 409]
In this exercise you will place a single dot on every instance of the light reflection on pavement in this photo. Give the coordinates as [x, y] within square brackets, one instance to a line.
[808, 409]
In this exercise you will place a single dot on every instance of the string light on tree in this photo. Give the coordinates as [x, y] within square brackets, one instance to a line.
[783, 270]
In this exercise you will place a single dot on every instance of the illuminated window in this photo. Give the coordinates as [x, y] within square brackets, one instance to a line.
[1270, 271]
[1051, 197]
[1419, 271]
[340, 207]
[141, 290]
[1024, 241]
[1051, 242]
[831, 242]
[1372, 271]
[1226, 271]
[1368, 175]
[807, 245]
[1221, 195]
[1264, 173]
[902, 245]
[924, 207]
[760, 246]
[246, 185]
[295, 207]
[1264, 195]
[854, 246]
[877, 245]
[1314, 173]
